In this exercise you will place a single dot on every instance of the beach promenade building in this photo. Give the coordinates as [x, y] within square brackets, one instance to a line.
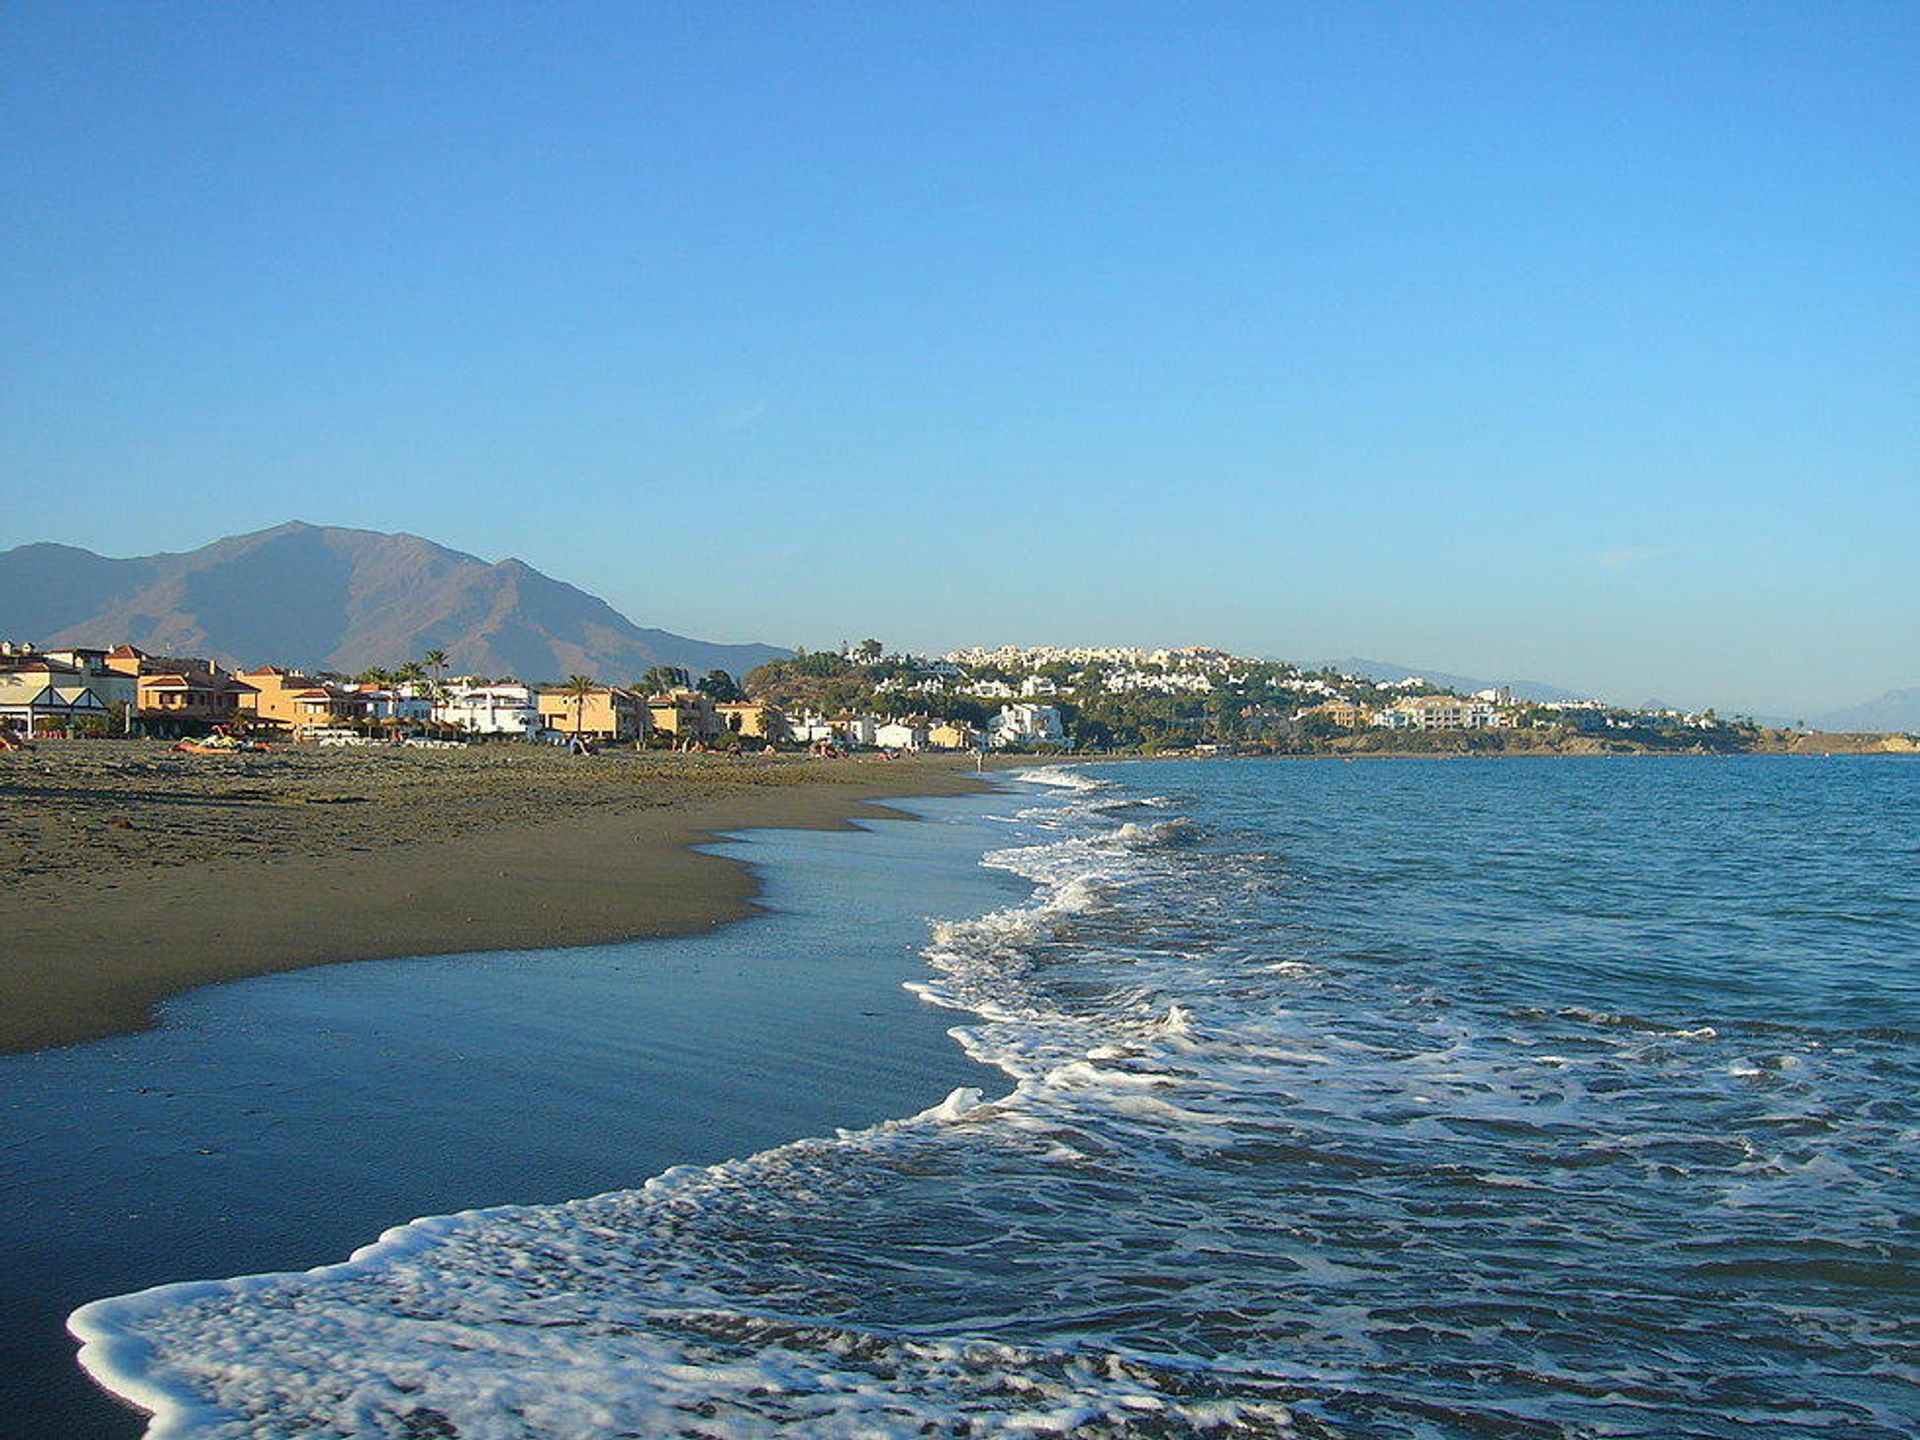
[953, 735]
[296, 702]
[393, 705]
[811, 729]
[507, 708]
[848, 732]
[113, 687]
[177, 695]
[188, 702]
[606, 714]
[856, 732]
[909, 734]
[753, 720]
[39, 693]
[685, 715]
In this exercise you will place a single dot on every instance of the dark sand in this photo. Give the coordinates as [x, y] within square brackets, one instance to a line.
[129, 874]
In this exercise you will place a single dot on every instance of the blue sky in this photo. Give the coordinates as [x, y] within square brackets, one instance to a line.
[1568, 342]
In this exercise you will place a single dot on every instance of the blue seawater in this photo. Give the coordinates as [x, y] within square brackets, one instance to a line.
[1409, 1099]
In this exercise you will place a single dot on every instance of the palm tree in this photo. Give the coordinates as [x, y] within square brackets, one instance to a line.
[436, 662]
[662, 678]
[379, 678]
[579, 687]
[409, 677]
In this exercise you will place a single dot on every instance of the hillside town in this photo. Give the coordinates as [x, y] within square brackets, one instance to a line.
[861, 697]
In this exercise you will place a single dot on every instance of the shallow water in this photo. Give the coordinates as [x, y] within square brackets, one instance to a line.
[1560, 1098]
[284, 1121]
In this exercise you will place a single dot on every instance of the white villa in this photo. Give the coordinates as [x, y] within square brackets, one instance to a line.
[901, 735]
[1020, 725]
[856, 732]
[1442, 712]
[505, 709]
[401, 702]
[810, 729]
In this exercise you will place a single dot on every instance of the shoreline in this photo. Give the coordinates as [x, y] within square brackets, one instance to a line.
[274, 1126]
[138, 881]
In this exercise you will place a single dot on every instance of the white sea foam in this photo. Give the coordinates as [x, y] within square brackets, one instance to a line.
[1061, 777]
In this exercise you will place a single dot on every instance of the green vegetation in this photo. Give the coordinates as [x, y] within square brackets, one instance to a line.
[1181, 701]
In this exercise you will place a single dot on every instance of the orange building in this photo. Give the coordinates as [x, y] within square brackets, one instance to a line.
[297, 702]
[753, 719]
[605, 713]
[685, 714]
[178, 695]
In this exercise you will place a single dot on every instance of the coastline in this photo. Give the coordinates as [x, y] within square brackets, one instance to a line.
[1530, 745]
[132, 877]
[284, 1122]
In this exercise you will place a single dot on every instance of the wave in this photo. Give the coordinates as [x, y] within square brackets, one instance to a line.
[1249, 1175]
[623, 1313]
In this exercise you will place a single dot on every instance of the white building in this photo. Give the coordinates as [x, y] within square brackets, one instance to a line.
[112, 687]
[1025, 725]
[901, 735]
[505, 709]
[36, 691]
[856, 732]
[1445, 712]
[811, 729]
[402, 702]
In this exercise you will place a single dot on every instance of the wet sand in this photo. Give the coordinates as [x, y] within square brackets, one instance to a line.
[129, 873]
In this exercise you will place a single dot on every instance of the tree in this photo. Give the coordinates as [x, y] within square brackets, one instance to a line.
[436, 662]
[409, 678]
[373, 675]
[579, 687]
[821, 664]
[868, 651]
[662, 678]
[720, 687]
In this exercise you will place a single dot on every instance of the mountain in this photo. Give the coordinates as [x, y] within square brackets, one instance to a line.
[324, 598]
[1897, 710]
[1383, 671]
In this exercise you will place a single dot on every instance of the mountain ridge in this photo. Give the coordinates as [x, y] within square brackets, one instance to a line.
[340, 598]
[1897, 711]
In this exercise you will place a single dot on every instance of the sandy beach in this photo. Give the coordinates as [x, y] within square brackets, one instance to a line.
[132, 873]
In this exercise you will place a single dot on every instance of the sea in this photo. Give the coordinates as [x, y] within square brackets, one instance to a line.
[1408, 1100]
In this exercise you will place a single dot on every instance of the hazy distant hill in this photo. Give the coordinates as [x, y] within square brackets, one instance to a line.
[1897, 710]
[328, 598]
[1383, 671]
